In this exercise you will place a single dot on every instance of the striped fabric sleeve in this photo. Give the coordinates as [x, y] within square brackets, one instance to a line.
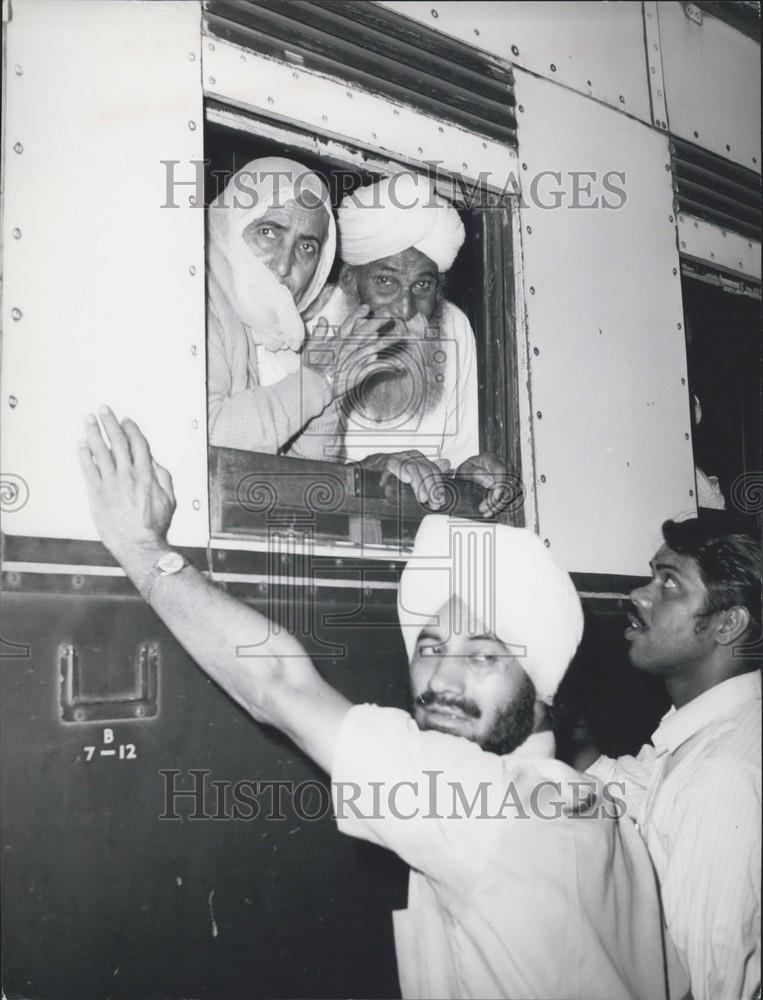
[711, 888]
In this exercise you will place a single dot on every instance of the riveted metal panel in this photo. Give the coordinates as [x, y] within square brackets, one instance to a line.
[710, 244]
[607, 357]
[334, 107]
[712, 84]
[594, 48]
[104, 287]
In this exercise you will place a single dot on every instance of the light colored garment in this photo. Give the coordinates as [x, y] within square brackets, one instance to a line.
[510, 585]
[257, 397]
[696, 794]
[449, 429]
[502, 903]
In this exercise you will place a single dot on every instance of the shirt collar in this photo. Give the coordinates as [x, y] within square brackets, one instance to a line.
[536, 745]
[678, 725]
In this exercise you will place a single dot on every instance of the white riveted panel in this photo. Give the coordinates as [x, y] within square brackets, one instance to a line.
[594, 48]
[712, 84]
[610, 411]
[331, 107]
[108, 284]
[710, 244]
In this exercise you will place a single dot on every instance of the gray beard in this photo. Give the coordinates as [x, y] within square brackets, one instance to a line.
[413, 388]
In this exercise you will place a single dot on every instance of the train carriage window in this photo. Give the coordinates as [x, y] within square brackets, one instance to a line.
[311, 481]
[724, 363]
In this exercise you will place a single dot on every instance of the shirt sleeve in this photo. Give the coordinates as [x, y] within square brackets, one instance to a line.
[711, 888]
[258, 418]
[627, 778]
[438, 801]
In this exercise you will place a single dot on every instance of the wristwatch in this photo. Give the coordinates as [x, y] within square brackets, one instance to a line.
[168, 564]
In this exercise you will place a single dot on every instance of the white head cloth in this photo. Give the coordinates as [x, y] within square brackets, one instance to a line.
[394, 214]
[256, 295]
[510, 585]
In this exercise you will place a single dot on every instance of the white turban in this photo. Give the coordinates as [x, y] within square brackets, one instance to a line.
[254, 292]
[510, 585]
[394, 214]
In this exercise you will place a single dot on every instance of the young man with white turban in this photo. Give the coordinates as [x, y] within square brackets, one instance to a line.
[516, 889]
[272, 240]
[415, 413]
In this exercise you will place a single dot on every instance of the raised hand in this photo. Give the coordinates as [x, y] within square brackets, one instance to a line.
[424, 476]
[502, 488]
[131, 496]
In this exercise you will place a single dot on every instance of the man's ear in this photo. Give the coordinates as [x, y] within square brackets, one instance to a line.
[732, 625]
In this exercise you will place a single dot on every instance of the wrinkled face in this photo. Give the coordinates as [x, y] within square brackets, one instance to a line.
[665, 636]
[470, 685]
[399, 286]
[288, 239]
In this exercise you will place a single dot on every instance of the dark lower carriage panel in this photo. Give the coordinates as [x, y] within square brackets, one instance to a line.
[102, 897]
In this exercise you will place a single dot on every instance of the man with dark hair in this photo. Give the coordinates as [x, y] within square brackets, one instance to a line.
[695, 791]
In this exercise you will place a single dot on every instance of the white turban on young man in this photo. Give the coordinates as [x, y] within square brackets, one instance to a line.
[399, 212]
[255, 294]
[510, 585]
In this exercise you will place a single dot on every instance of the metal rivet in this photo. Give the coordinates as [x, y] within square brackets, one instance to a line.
[18, 148]
[440, 128]
[754, 159]
[476, 31]
[683, 244]
[271, 101]
[395, 112]
[521, 108]
[712, 255]
[547, 543]
[667, 165]
[588, 83]
[686, 436]
[679, 326]
[211, 47]
[532, 289]
[324, 118]
[670, 218]
[696, 225]
[621, 99]
[195, 424]
[484, 145]
[675, 270]
[262, 586]
[683, 381]
[16, 233]
[553, 68]
[659, 93]
[536, 351]
[13, 402]
[374, 135]
[691, 493]
[139, 711]
[464, 166]
[192, 56]
[196, 505]
[696, 135]
[543, 479]
[539, 415]
[192, 270]
[16, 313]
[652, 69]
[192, 126]
[529, 230]
[434, 13]
[192, 200]
[349, 94]
[728, 148]
[421, 149]
[194, 350]
[514, 50]
[19, 71]
[212, 81]
[524, 166]
[741, 264]
[79, 714]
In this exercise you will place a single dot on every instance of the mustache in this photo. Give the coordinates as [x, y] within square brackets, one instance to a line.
[429, 698]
